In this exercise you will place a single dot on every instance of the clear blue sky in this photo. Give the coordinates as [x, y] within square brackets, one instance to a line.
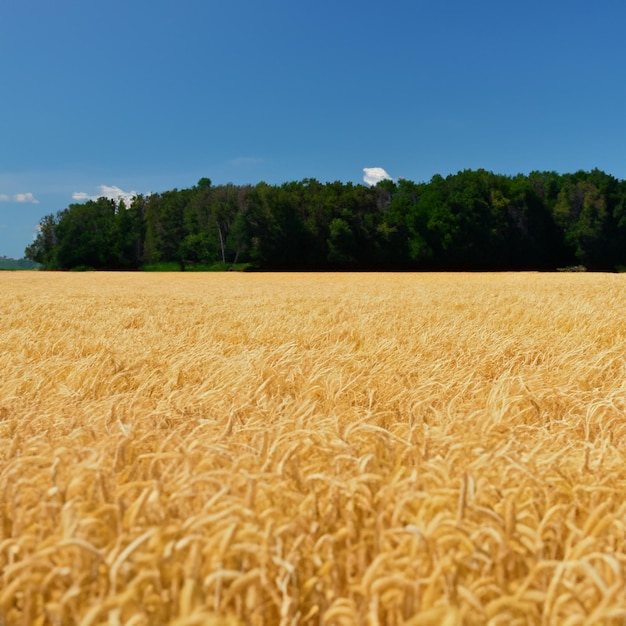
[148, 95]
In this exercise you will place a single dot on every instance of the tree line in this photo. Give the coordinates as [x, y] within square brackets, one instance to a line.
[7, 263]
[472, 220]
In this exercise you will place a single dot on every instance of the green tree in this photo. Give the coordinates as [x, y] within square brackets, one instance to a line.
[341, 244]
[581, 212]
[199, 248]
[85, 235]
[128, 234]
[165, 226]
[43, 249]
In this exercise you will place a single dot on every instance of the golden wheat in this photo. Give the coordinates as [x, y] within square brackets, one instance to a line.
[332, 449]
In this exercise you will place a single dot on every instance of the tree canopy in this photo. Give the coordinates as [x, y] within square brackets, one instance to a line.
[472, 220]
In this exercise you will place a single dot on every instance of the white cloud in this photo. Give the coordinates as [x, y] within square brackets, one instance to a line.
[373, 175]
[25, 197]
[19, 197]
[107, 191]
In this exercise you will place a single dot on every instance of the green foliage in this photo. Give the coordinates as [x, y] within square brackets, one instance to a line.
[85, 235]
[472, 220]
[341, 243]
[166, 266]
[197, 267]
[44, 249]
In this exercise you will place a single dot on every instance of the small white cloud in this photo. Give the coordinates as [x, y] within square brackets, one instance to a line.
[373, 175]
[107, 191]
[19, 197]
[25, 197]
[115, 193]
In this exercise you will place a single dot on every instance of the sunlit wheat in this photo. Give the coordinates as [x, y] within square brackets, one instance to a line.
[334, 449]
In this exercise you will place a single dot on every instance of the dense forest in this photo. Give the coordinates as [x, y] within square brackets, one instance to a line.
[473, 220]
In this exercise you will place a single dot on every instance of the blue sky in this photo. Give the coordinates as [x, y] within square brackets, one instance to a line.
[104, 97]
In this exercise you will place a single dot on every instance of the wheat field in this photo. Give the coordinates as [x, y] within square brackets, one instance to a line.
[318, 449]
